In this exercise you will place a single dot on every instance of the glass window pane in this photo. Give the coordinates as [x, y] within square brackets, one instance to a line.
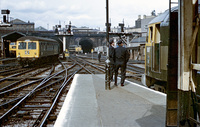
[22, 45]
[32, 45]
[12, 43]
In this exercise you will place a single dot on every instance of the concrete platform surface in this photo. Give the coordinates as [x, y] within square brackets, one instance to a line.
[88, 104]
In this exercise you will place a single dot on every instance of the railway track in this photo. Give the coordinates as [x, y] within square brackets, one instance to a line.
[134, 72]
[37, 103]
[34, 97]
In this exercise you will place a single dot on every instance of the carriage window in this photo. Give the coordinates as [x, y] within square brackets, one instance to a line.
[32, 45]
[22, 45]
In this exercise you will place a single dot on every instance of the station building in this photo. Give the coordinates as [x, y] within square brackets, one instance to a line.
[137, 44]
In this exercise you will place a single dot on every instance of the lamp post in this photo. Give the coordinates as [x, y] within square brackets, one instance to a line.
[107, 77]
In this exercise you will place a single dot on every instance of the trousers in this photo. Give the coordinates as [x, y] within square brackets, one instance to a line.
[121, 65]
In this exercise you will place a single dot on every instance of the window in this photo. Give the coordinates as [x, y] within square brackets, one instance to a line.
[151, 34]
[32, 45]
[157, 36]
[49, 47]
[22, 45]
[156, 49]
[12, 43]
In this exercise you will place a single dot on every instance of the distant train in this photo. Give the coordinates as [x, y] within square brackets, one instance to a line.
[156, 49]
[33, 50]
[75, 49]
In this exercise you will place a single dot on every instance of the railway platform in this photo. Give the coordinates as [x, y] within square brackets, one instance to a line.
[88, 104]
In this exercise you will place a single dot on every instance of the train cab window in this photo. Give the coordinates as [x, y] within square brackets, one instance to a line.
[151, 34]
[32, 45]
[22, 45]
[157, 36]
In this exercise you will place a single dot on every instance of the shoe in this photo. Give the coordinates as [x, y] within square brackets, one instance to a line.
[122, 84]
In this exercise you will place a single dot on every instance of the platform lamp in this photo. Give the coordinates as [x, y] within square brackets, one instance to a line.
[107, 67]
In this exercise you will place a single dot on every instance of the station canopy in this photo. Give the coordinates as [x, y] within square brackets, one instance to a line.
[13, 36]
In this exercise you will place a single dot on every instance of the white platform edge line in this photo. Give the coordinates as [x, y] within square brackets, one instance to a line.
[66, 104]
[163, 94]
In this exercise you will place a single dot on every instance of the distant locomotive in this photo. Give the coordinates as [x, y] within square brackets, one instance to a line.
[75, 49]
[156, 49]
[33, 50]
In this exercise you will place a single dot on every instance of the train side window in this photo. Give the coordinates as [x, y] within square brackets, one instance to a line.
[157, 36]
[22, 45]
[32, 45]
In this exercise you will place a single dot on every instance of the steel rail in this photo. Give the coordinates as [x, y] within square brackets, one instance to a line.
[98, 68]
[92, 64]
[5, 115]
[29, 94]
[55, 100]
[20, 87]
[17, 74]
[36, 89]
[84, 66]
[136, 68]
[3, 71]
[42, 122]
[23, 79]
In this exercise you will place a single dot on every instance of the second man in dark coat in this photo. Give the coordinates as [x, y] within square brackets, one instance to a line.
[121, 59]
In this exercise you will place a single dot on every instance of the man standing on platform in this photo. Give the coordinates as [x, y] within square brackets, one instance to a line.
[121, 57]
[99, 57]
[111, 58]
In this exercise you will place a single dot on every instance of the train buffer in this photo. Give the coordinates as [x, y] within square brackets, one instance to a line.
[88, 104]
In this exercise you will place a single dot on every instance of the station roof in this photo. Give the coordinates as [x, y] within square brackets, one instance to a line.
[34, 38]
[164, 17]
[13, 36]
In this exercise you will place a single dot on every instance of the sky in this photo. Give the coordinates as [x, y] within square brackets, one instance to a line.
[89, 13]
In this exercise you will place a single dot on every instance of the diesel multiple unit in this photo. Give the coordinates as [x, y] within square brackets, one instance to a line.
[36, 50]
